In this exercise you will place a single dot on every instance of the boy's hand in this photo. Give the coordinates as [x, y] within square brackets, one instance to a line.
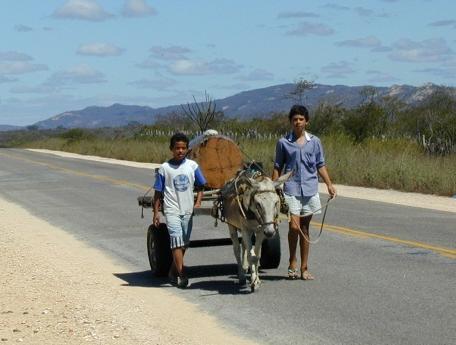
[156, 220]
[197, 204]
[332, 191]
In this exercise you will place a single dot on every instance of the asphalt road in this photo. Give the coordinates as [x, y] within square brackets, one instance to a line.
[386, 274]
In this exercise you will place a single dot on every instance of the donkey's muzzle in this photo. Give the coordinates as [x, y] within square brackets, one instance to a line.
[269, 230]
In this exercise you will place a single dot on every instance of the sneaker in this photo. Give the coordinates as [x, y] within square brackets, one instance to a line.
[182, 282]
[172, 278]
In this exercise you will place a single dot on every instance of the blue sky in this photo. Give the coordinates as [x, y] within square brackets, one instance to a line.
[60, 55]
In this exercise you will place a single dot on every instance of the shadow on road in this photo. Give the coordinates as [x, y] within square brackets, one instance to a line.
[144, 279]
[227, 286]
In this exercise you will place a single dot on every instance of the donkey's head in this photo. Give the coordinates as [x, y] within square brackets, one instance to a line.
[260, 199]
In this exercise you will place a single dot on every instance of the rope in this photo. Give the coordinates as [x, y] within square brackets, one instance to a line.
[307, 239]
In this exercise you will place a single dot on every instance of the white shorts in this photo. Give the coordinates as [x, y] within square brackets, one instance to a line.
[303, 205]
[179, 229]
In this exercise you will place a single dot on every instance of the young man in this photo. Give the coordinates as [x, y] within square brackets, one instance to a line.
[174, 183]
[302, 153]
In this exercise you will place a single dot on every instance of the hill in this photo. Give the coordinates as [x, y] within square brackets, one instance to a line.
[6, 128]
[247, 104]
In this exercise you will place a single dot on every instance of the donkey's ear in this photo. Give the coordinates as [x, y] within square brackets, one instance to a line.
[242, 188]
[282, 179]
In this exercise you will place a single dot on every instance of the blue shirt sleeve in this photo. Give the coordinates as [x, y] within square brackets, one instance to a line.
[200, 180]
[279, 157]
[159, 184]
[319, 155]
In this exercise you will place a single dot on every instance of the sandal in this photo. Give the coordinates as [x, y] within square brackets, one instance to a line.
[305, 275]
[292, 273]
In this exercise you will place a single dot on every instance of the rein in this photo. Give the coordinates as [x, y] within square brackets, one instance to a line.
[307, 238]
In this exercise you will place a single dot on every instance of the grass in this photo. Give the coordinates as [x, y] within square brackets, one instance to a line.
[385, 164]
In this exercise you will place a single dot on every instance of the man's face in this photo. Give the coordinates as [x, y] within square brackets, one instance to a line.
[179, 150]
[298, 122]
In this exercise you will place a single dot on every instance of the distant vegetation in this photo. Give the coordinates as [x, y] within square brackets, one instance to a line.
[382, 144]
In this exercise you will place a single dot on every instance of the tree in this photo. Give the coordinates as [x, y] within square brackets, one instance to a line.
[366, 121]
[327, 119]
[301, 86]
[202, 114]
[32, 128]
[435, 122]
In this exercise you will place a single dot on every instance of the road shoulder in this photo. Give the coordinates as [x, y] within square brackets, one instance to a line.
[57, 290]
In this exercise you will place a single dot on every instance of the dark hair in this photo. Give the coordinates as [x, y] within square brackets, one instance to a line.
[178, 137]
[298, 109]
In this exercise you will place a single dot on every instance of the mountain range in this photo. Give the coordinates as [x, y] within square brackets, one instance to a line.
[244, 105]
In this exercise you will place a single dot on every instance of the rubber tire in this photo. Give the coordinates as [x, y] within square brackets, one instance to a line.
[158, 250]
[270, 252]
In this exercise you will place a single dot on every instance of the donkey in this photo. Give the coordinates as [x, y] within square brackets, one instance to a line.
[251, 206]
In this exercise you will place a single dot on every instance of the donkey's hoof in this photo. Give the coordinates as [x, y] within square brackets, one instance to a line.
[255, 285]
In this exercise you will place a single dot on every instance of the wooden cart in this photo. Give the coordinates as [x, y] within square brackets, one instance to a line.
[219, 158]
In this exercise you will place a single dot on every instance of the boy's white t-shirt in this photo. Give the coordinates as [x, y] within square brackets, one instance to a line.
[176, 182]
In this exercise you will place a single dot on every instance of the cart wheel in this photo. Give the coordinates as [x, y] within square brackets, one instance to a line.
[270, 252]
[158, 250]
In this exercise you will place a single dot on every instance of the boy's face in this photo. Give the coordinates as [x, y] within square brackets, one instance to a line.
[179, 150]
[298, 122]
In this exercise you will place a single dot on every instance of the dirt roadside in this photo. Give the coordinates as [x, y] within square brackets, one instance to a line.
[56, 290]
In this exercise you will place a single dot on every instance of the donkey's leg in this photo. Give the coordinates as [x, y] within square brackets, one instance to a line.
[259, 237]
[247, 244]
[237, 253]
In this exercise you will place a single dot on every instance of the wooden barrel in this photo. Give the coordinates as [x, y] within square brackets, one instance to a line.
[218, 156]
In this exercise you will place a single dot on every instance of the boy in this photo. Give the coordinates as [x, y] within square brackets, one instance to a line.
[302, 153]
[174, 184]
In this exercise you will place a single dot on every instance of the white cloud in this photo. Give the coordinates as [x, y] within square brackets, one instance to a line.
[306, 28]
[20, 67]
[22, 28]
[237, 86]
[156, 84]
[14, 56]
[446, 72]
[4, 79]
[334, 6]
[363, 12]
[339, 69]
[381, 77]
[150, 63]
[137, 8]
[81, 9]
[431, 50]
[195, 67]
[80, 74]
[449, 22]
[170, 53]
[297, 14]
[40, 89]
[257, 75]
[99, 49]
[363, 42]
[366, 12]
